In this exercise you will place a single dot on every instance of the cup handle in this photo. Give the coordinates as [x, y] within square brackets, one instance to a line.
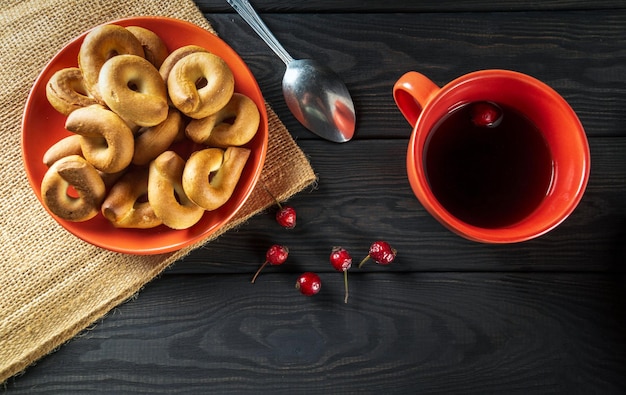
[411, 93]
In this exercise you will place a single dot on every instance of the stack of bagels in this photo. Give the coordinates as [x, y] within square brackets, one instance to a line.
[128, 103]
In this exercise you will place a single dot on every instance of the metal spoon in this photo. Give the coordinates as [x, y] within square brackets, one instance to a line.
[314, 93]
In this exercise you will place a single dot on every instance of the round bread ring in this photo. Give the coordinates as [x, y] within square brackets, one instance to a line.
[151, 142]
[67, 146]
[175, 56]
[212, 193]
[66, 91]
[76, 172]
[124, 206]
[107, 142]
[154, 48]
[214, 132]
[132, 87]
[200, 102]
[111, 178]
[101, 44]
[166, 193]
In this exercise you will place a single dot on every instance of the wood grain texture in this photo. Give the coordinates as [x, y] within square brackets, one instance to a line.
[394, 6]
[448, 333]
[371, 174]
[579, 54]
[449, 316]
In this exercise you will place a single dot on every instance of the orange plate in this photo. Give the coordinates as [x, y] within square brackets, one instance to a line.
[42, 126]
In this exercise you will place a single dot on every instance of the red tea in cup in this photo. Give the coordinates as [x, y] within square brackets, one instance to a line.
[493, 182]
[488, 175]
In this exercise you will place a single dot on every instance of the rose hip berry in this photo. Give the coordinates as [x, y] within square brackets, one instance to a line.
[286, 216]
[275, 255]
[381, 252]
[486, 114]
[342, 261]
[309, 283]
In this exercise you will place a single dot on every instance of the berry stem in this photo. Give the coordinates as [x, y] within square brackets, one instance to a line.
[258, 272]
[345, 284]
[363, 261]
[273, 197]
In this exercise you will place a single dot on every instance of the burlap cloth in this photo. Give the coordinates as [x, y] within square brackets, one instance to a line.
[52, 285]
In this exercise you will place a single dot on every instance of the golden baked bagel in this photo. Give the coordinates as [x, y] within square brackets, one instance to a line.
[132, 87]
[73, 171]
[233, 125]
[211, 191]
[101, 44]
[127, 205]
[154, 49]
[175, 56]
[151, 142]
[166, 193]
[107, 142]
[67, 146]
[66, 91]
[111, 178]
[200, 84]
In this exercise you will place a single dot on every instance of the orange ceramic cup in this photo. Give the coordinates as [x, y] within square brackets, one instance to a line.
[424, 104]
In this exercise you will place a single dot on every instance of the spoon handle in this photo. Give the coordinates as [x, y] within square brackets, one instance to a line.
[245, 10]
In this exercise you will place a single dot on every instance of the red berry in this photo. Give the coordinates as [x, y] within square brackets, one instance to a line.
[275, 255]
[309, 283]
[286, 217]
[486, 114]
[341, 261]
[381, 252]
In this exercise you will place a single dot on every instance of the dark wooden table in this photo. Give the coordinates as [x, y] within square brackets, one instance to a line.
[449, 316]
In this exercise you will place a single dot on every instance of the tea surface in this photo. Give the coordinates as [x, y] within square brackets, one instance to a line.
[488, 176]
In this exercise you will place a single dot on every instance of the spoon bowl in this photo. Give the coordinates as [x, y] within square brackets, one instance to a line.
[314, 93]
[316, 99]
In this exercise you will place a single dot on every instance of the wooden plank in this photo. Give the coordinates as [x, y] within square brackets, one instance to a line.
[392, 6]
[371, 173]
[399, 333]
[579, 54]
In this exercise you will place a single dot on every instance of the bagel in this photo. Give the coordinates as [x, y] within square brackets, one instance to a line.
[132, 87]
[111, 178]
[76, 172]
[151, 142]
[217, 131]
[166, 193]
[211, 191]
[175, 56]
[154, 48]
[200, 84]
[67, 146]
[101, 44]
[71, 145]
[127, 206]
[66, 91]
[107, 142]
